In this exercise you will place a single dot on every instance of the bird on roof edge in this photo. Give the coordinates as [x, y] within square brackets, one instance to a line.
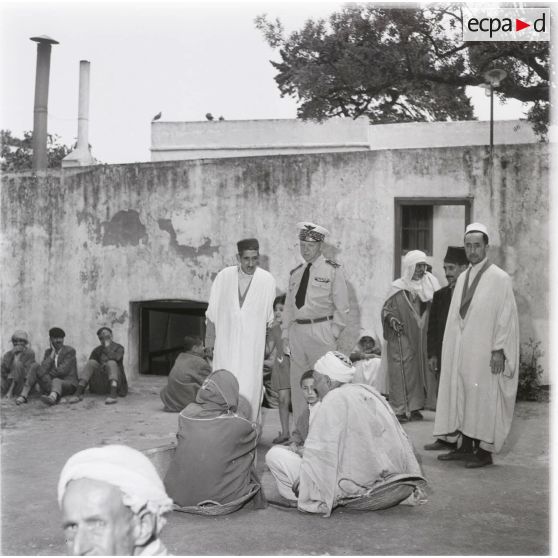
[157, 117]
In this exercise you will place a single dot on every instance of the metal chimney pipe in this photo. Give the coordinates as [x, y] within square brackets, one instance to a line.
[40, 111]
[83, 106]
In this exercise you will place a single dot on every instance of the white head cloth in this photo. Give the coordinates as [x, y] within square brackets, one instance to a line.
[476, 227]
[123, 467]
[425, 287]
[335, 365]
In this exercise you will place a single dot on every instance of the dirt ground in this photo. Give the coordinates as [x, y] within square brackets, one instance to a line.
[502, 509]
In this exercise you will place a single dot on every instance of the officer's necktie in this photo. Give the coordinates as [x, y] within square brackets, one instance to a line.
[301, 293]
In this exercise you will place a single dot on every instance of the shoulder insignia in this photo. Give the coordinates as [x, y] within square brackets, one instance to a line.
[333, 263]
[293, 270]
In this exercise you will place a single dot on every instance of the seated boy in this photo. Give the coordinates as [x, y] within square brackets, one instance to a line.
[278, 456]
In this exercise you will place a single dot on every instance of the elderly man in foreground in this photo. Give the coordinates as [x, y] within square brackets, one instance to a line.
[112, 503]
[355, 443]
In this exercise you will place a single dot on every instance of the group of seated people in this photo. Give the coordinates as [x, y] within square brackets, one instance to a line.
[347, 443]
[57, 375]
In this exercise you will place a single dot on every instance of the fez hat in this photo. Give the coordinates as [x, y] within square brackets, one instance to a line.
[56, 332]
[456, 255]
[248, 244]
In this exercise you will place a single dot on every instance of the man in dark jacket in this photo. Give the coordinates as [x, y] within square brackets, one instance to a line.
[187, 375]
[57, 374]
[455, 263]
[16, 364]
[104, 371]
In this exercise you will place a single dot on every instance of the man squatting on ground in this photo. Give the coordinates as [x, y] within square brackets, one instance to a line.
[104, 371]
[480, 358]
[16, 364]
[239, 311]
[113, 503]
[316, 309]
[354, 441]
[57, 374]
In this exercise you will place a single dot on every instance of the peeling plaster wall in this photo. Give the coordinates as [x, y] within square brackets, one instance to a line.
[77, 248]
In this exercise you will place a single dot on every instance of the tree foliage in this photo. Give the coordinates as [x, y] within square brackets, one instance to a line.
[400, 65]
[16, 154]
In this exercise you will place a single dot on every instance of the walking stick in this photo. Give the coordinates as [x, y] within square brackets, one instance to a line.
[403, 375]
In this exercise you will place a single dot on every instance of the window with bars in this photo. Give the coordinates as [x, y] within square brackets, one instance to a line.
[416, 228]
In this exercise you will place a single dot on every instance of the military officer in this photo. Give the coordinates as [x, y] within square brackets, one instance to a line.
[316, 308]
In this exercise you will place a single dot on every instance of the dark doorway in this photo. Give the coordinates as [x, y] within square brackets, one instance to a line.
[162, 327]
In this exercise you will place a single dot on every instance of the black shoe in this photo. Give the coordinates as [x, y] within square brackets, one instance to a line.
[480, 459]
[402, 418]
[440, 445]
[416, 415]
[456, 455]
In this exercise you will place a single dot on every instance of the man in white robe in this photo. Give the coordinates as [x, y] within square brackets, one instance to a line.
[480, 358]
[240, 308]
[354, 443]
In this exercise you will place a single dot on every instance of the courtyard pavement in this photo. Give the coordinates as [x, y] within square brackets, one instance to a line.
[497, 510]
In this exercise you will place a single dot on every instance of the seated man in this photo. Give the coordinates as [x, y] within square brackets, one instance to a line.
[215, 455]
[104, 371]
[354, 442]
[113, 503]
[186, 377]
[16, 364]
[57, 374]
[366, 357]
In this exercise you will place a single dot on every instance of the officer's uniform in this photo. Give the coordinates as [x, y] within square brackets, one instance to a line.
[313, 329]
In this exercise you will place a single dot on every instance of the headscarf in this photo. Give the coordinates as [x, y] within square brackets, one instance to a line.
[217, 395]
[125, 468]
[335, 365]
[425, 287]
[20, 334]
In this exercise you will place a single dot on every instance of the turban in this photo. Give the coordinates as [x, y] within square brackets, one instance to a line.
[335, 365]
[123, 467]
[56, 332]
[21, 335]
[456, 255]
[310, 232]
[425, 287]
[476, 227]
[101, 329]
[247, 244]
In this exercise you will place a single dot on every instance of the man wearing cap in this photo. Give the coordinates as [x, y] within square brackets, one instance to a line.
[480, 358]
[354, 441]
[455, 263]
[104, 371]
[16, 364]
[113, 503]
[240, 308]
[57, 374]
[316, 308]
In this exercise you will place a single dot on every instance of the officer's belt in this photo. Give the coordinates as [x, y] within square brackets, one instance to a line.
[314, 320]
